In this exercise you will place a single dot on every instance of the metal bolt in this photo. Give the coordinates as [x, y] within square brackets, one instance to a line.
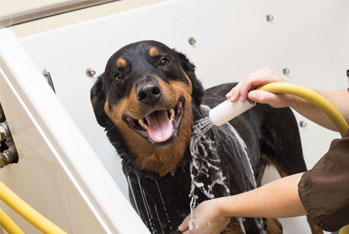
[48, 78]
[191, 41]
[9, 156]
[9, 143]
[302, 124]
[45, 72]
[2, 134]
[4, 131]
[90, 72]
[286, 71]
[269, 18]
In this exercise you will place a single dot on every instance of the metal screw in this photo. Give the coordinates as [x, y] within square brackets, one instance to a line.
[48, 78]
[45, 72]
[269, 18]
[8, 156]
[90, 72]
[286, 71]
[191, 41]
[4, 131]
[302, 124]
[2, 134]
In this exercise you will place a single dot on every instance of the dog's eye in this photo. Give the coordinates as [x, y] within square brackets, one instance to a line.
[119, 76]
[164, 62]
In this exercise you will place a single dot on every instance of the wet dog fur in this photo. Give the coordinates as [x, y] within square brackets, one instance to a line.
[147, 80]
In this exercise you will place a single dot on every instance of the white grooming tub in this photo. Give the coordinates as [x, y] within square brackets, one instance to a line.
[67, 168]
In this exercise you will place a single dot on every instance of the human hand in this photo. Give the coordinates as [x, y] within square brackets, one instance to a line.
[246, 88]
[208, 219]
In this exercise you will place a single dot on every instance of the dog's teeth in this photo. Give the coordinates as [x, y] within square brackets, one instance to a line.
[143, 124]
[172, 114]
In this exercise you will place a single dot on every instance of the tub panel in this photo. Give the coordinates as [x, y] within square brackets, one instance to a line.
[38, 178]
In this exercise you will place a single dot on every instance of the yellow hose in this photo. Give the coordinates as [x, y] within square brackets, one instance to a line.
[311, 96]
[27, 212]
[344, 230]
[8, 224]
[319, 101]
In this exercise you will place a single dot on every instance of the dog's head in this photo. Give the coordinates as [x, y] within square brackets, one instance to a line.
[147, 92]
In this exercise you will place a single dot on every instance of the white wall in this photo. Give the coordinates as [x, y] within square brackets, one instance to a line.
[233, 39]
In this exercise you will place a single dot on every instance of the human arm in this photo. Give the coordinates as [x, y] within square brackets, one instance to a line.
[276, 199]
[246, 88]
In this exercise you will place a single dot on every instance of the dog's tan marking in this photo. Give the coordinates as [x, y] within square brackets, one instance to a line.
[153, 51]
[268, 160]
[274, 226]
[161, 160]
[121, 62]
[315, 229]
[233, 228]
[264, 162]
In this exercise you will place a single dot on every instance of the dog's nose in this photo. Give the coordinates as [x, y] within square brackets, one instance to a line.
[149, 93]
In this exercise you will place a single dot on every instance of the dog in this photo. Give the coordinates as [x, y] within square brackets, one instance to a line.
[148, 100]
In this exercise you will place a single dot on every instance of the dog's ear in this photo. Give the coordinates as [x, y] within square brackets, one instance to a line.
[98, 97]
[189, 69]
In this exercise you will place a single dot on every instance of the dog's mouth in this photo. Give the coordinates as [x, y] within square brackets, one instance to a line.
[160, 126]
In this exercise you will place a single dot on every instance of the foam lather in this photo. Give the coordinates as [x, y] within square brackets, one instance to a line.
[228, 110]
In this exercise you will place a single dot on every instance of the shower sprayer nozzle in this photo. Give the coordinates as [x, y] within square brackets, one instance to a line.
[228, 110]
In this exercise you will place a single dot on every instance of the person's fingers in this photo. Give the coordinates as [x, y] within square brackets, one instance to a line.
[184, 225]
[264, 97]
[251, 81]
[252, 96]
[230, 93]
[248, 83]
[235, 93]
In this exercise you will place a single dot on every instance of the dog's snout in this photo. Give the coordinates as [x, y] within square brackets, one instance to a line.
[149, 93]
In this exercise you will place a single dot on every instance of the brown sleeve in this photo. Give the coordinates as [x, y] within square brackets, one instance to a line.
[324, 190]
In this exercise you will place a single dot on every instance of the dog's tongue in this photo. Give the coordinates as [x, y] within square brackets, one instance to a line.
[160, 128]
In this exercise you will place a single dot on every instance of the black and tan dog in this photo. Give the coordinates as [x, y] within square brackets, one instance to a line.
[147, 100]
